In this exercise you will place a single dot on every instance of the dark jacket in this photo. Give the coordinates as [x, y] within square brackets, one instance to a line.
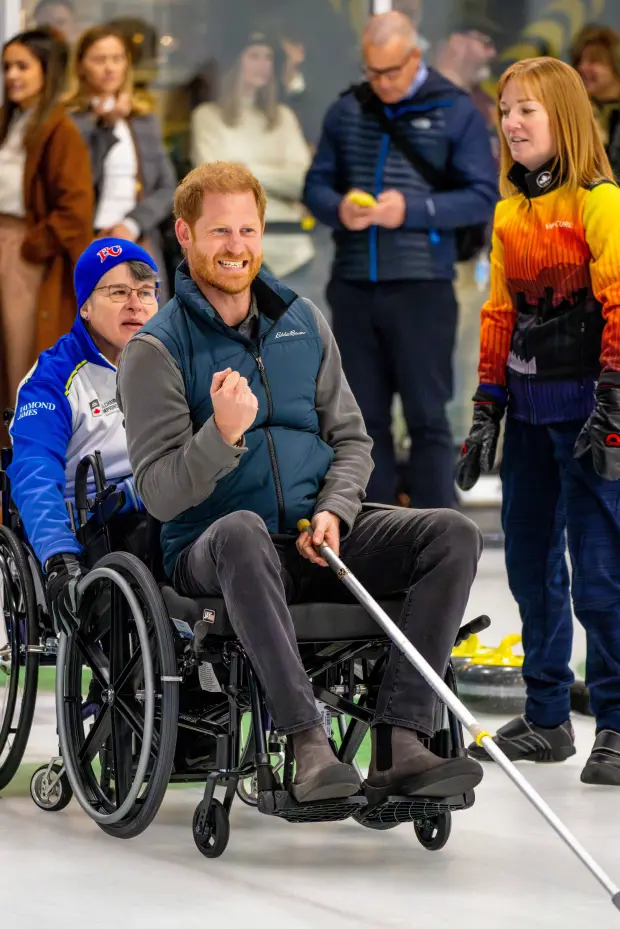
[307, 448]
[156, 179]
[354, 152]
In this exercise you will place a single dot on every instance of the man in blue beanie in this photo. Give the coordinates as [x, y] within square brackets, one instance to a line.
[66, 408]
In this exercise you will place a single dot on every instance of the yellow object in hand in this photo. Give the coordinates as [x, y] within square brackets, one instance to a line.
[361, 198]
[304, 525]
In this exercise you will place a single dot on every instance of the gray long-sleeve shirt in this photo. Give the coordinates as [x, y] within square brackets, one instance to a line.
[176, 468]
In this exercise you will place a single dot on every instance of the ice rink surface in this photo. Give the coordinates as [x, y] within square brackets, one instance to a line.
[503, 867]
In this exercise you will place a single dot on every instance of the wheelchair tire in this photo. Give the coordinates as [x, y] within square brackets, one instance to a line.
[50, 798]
[139, 713]
[213, 840]
[19, 662]
[433, 832]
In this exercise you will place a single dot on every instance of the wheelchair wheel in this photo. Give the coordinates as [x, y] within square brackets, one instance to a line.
[119, 771]
[19, 662]
[211, 829]
[433, 831]
[50, 789]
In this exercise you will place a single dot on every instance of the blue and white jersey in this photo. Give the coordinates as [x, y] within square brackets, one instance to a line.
[66, 408]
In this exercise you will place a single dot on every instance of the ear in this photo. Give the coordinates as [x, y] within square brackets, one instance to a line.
[84, 311]
[183, 232]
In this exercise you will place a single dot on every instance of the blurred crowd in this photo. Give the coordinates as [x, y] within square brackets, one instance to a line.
[89, 146]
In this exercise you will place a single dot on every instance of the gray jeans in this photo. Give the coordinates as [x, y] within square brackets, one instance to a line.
[431, 555]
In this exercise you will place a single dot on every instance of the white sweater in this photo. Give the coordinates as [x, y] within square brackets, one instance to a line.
[279, 158]
[12, 167]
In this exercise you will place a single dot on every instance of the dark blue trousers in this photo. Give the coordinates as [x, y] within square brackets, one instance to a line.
[398, 338]
[551, 500]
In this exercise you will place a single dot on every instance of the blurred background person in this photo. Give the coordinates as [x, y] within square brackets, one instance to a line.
[58, 15]
[391, 292]
[133, 178]
[46, 202]
[596, 56]
[465, 58]
[248, 125]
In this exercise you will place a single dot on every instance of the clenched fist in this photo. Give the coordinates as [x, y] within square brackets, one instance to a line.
[234, 405]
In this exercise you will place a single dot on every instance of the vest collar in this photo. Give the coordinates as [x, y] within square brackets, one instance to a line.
[536, 183]
[272, 297]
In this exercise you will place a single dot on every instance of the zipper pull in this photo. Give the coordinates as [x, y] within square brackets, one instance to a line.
[259, 362]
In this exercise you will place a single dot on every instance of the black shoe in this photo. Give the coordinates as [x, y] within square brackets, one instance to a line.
[401, 764]
[603, 765]
[522, 740]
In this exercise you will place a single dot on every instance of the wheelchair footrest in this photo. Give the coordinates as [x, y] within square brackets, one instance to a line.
[397, 810]
[281, 803]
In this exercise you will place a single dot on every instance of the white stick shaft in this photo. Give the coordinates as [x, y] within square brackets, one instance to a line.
[466, 718]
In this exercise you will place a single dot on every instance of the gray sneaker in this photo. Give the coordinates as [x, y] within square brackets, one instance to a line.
[522, 740]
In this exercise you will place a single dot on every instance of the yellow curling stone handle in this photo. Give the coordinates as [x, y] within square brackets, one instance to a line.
[503, 656]
[361, 198]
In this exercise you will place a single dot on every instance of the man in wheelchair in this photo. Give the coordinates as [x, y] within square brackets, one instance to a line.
[66, 409]
[240, 422]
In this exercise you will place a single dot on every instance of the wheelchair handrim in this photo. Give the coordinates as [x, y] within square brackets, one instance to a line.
[109, 819]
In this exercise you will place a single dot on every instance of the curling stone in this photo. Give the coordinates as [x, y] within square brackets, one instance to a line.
[492, 679]
[462, 654]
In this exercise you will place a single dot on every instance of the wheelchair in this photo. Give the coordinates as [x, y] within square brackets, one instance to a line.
[169, 668]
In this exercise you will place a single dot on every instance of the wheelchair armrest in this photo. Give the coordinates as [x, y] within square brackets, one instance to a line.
[106, 509]
[90, 463]
[473, 626]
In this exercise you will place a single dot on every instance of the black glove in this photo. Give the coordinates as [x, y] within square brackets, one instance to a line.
[63, 574]
[478, 453]
[601, 433]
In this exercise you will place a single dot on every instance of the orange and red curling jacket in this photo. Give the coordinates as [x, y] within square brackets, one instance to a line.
[552, 323]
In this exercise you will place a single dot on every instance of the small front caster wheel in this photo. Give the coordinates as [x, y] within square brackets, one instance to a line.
[49, 791]
[211, 829]
[433, 831]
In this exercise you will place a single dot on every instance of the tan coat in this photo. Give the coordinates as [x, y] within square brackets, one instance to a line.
[59, 199]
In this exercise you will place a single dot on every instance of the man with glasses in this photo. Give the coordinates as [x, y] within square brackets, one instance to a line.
[66, 408]
[416, 144]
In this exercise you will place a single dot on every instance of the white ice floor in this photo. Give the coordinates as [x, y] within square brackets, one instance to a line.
[502, 868]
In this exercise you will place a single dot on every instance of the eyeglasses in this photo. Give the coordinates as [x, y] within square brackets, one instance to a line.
[121, 293]
[373, 74]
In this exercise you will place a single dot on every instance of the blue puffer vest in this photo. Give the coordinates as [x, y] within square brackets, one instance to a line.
[281, 473]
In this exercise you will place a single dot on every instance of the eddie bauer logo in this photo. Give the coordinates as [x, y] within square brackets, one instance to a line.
[284, 335]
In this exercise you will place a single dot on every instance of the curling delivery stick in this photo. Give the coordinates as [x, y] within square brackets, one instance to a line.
[480, 735]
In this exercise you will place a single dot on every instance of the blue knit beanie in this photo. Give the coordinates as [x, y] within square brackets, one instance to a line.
[100, 257]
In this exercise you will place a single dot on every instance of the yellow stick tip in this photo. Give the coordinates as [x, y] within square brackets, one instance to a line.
[303, 525]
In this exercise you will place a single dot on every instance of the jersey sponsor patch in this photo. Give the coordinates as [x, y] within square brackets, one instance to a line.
[32, 408]
[103, 409]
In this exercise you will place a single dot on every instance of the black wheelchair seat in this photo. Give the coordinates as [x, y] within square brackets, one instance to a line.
[313, 622]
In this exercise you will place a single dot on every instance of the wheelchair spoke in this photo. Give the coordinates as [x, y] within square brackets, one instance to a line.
[122, 754]
[131, 711]
[96, 660]
[132, 673]
[99, 732]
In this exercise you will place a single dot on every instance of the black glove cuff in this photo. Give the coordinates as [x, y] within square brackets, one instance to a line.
[66, 560]
[609, 379]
